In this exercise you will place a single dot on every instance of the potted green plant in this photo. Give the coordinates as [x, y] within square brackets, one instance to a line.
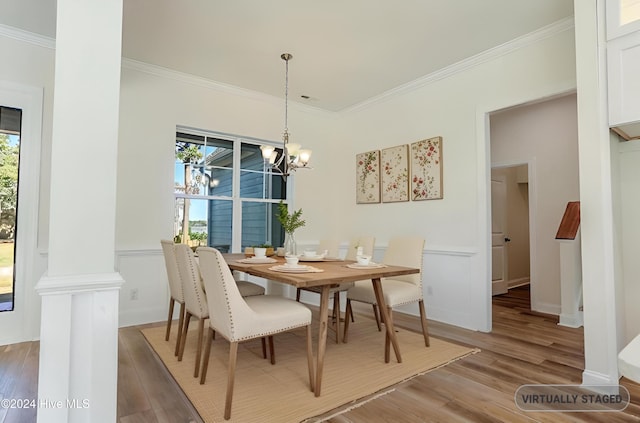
[290, 222]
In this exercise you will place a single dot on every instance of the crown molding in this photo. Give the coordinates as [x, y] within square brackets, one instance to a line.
[27, 37]
[198, 81]
[470, 62]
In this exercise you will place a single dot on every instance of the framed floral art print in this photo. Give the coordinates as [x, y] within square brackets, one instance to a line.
[394, 171]
[368, 177]
[426, 169]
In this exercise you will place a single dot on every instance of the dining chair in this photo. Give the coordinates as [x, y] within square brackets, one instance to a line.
[238, 318]
[366, 242]
[195, 299]
[398, 290]
[175, 289]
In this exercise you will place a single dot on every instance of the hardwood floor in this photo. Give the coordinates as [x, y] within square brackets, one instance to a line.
[524, 348]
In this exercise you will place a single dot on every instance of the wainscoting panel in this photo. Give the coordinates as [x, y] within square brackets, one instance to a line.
[144, 297]
[447, 283]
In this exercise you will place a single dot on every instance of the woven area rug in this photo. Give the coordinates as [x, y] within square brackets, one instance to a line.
[280, 392]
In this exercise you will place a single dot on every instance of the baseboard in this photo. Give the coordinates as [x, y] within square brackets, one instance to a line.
[595, 378]
[571, 320]
[142, 316]
[514, 283]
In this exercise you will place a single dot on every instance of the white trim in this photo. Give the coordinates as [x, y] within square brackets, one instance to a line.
[514, 283]
[614, 28]
[22, 324]
[590, 377]
[560, 26]
[27, 37]
[571, 320]
[137, 253]
[79, 283]
[202, 82]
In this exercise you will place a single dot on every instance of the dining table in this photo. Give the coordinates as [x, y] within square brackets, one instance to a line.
[325, 274]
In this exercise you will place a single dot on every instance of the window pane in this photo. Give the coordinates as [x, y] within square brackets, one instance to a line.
[251, 157]
[219, 152]
[10, 125]
[259, 224]
[209, 222]
[220, 182]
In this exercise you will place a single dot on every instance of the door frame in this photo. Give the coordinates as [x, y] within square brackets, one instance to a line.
[20, 324]
[533, 200]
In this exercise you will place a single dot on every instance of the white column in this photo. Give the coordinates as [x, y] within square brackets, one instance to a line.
[596, 219]
[78, 342]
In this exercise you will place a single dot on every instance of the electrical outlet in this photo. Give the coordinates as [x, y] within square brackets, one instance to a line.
[134, 294]
[429, 290]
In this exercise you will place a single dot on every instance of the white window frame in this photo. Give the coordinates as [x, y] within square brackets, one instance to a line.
[236, 200]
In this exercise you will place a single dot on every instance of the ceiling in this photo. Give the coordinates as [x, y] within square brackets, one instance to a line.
[344, 51]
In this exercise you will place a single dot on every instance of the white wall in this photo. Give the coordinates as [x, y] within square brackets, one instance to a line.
[545, 135]
[628, 161]
[456, 263]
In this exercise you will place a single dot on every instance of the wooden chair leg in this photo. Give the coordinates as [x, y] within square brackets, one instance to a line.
[196, 370]
[233, 355]
[264, 347]
[180, 327]
[310, 359]
[298, 294]
[387, 345]
[183, 338]
[375, 313]
[347, 312]
[169, 318]
[423, 322]
[271, 351]
[336, 314]
[205, 358]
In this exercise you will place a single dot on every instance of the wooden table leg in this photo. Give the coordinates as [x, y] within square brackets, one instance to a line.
[322, 336]
[388, 322]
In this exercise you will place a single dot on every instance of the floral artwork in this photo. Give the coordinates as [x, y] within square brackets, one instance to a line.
[426, 169]
[394, 166]
[368, 177]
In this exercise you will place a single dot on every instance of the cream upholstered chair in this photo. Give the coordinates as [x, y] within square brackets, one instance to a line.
[239, 318]
[398, 290]
[366, 242]
[194, 298]
[175, 288]
[248, 289]
[332, 246]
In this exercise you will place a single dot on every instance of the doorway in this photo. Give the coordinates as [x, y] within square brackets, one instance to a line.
[510, 229]
[542, 134]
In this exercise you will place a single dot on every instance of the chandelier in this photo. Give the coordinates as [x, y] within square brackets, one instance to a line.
[293, 157]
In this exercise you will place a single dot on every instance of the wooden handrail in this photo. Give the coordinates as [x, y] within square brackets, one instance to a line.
[570, 221]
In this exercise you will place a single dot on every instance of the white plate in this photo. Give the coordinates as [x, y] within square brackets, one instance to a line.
[256, 260]
[313, 258]
[295, 269]
[366, 266]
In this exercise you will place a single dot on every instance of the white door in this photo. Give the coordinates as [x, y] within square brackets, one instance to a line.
[498, 237]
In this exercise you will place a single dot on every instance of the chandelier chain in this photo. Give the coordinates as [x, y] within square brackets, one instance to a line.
[286, 95]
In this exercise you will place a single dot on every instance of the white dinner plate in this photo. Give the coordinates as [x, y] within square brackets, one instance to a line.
[314, 258]
[256, 260]
[366, 266]
[295, 269]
